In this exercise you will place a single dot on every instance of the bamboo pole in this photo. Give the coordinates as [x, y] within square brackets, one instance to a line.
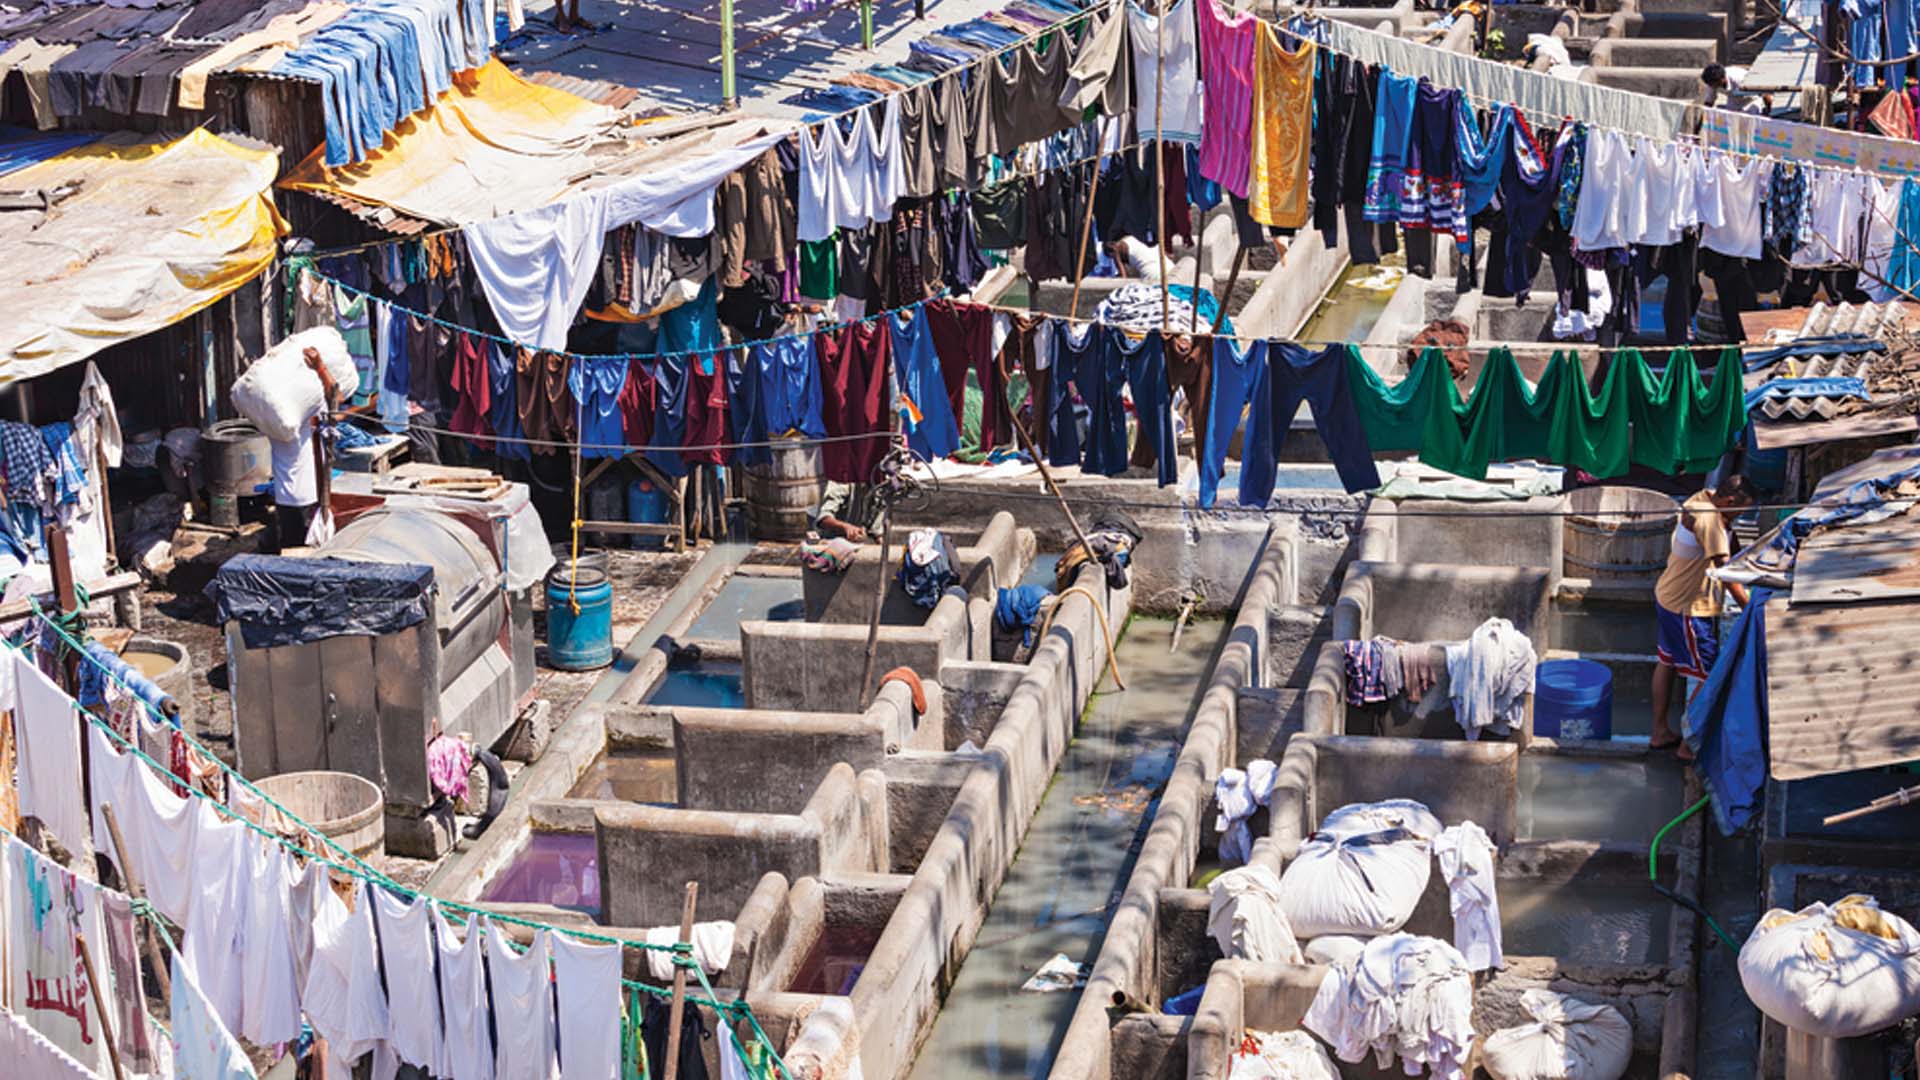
[134, 889]
[100, 1006]
[1160, 150]
[676, 1013]
[1199, 246]
[1086, 232]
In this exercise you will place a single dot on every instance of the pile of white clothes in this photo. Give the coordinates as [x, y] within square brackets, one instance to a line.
[1240, 793]
[1281, 1055]
[1402, 996]
[1569, 1039]
[1362, 872]
[712, 947]
[1245, 918]
[1837, 971]
[1489, 676]
[1466, 861]
[1138, 307]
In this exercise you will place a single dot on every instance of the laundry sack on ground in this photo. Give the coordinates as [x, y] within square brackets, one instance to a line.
[1281, 1055]
[1569, 1039]
[278, 391]
[1333, 948]
[1836, 972]
[1362, 872]
[1244, 916]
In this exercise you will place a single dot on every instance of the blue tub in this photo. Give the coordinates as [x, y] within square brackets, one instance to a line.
[579, 640]
[1573, 699]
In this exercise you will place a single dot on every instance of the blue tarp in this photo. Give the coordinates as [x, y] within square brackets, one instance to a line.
[1726, 725]
[20, 147]
[1823, 386]
[289, 601]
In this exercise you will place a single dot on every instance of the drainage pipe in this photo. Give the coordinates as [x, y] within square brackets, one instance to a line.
[1653, 874]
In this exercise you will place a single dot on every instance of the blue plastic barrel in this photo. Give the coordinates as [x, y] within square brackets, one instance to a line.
[579, 640]
[647, 505]
[1573, 699]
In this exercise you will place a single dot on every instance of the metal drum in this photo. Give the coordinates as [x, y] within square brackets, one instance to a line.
[468, 602]
[579, 618]
[236, 460]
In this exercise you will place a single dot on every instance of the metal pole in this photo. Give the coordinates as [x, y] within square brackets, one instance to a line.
[675, 1012]
[1160, 149]
[729, 93]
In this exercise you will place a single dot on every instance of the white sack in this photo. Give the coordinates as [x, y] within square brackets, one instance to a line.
[1357, 875]
[1244, 916]
[1334, 948]
[1240, 794]
[278, 392]
[1569, 1039]
[1283, 1055]
[1837, 972]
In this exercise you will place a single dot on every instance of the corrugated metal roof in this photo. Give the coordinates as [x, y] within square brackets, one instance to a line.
[598, 91]
[1880, 561]
[1842, 683]
[1824, 407]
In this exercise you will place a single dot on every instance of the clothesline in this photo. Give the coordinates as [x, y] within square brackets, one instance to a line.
[360, 869]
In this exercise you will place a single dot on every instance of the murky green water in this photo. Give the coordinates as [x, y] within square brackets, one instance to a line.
[1073, 863]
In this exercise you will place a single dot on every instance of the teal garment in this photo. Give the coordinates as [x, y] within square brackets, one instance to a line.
[1674, 422]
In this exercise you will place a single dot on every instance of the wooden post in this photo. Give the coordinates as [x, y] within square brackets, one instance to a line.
[105, 509]
[679, 1004]
[1086, 232]
[99, 1006]
[879, 602]
[1199, 248]
[1160, 150]
[60, 561]
[1046, 474]
[134, 889]
[1233, 278]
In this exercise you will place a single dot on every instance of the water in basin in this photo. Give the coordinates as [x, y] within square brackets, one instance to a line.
[1623, 800]
[1040, 570]
[836, 959]
[642, 776]
[711, 684]
[747, 597]
[1603, 629]
[562, 869]
[1591, 922]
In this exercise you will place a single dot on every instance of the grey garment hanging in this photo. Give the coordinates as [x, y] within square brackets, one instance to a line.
[947, 115]
[1097, 73]
[917, 135]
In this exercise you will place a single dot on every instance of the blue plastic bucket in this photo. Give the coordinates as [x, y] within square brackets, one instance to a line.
[582, 640]
[1573, 699]
[647, 505]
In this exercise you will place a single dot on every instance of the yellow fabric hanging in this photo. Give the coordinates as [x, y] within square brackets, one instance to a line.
[1282, 130]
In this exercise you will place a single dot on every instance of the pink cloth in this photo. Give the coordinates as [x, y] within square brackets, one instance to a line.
[1226, 79]
[448, 762]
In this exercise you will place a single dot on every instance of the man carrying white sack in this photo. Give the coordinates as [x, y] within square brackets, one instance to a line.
[296, 465]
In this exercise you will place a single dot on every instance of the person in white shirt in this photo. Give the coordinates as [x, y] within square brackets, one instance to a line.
[296, 487]
[1135, 257]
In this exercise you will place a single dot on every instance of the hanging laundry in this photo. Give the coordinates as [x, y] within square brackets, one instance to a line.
[543, 397]
[1227, 64]
[1392, 139]
[1740, 195]
[342, 997]
[1283, 87]
[1466, 862]
[467, 1047]
[1024, 85]
[789, 375]
[1321, 380]
[693, 1031]
[1146, 371]
[596, 383]
[586, 979]
[522, 990]
[1098, 73]
[705, 434]
[472, 385]
[926, 415]
[404, 933]
[47, 734]
[853, 369]
[1166, 70]
[35, 1055]
[1490, 676]
[963, 340]
[1600, 219]
[1101, 372]
[1062, 424]
[269, 993]
[1435, 194]
[203, 1049]
[48, 987]
[1240, 384]
[852, 177]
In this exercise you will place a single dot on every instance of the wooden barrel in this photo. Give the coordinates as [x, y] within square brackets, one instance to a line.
[348, 809]
[1618, 534]
[782, 494]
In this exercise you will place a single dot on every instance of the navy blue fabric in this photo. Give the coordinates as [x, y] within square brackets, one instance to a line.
[291, 601]
[1240, 383]
[1320, 379]
[1101, 373]
[1848, 345]
[790, 386]
[596, 382]
[746, 408]
[1727, 721]
[1063, 428]
[1018, 608]
[1152, 402]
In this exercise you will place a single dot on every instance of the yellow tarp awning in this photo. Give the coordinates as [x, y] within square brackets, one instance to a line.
[157, 230]
[494, 144]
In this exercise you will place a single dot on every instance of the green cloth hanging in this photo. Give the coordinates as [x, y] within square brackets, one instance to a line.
[1674, 422]
[633, 1052]
[820, 268]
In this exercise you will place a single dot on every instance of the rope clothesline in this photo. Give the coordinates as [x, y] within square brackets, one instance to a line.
[359, 868]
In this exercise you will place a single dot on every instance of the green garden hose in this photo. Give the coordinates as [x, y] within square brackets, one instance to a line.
[1653, 874]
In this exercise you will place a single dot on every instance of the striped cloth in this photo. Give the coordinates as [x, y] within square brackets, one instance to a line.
[1226, 82]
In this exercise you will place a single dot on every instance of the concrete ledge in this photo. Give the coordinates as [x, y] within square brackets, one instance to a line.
[1458, 781]
[815, 667]
[995, 558]
[1518, 532]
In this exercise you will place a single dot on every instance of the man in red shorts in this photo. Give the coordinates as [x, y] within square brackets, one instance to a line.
[1687, 601]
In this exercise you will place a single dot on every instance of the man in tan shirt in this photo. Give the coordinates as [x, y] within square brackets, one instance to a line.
[1687, 601]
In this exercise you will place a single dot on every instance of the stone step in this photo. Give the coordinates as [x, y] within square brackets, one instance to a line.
[1649, 52]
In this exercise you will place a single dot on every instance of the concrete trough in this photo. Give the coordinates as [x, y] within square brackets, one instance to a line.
[995, 558]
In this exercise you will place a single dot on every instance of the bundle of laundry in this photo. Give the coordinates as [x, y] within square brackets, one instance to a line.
[1490, 676]
[828, 556]
[1281, 1055]
[1240, 793]
[279, 393]
[1363, 871]
[929, 566]
[1111, 537]
[1402, 996]
[1569, 1039]
[1836, 971]
[1465, 852]
[1244, 916]
[1019, 607]
[712, 947]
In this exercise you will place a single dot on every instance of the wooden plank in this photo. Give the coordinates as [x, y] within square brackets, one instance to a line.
[102, 587]
[632, 527]
[1772, 436]
[296, 707]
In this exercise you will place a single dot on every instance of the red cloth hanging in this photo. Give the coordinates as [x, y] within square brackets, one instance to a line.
[636, 405]
[706, 409]
[963, 340]
[853, 379]
[473, 385]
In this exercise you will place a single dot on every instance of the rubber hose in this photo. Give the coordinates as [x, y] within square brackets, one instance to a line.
[496, 792]
[1653, 874]
[1100, 609]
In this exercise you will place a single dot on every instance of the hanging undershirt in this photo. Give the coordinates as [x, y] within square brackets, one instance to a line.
[523, 996]
[789, 386]
[407, 959]
[47, 732]
[1837, 204]
[925, 413]
[1226, 50]
[222, 859]
[1738, 232]
[1659, 195]
[586, 981]
[596, 382]
[706, 410]
[1283, 134]
[467, 1049]
[269, 993]
[1601, 219]
[1178, 84]
[342, 997]
[853, 370]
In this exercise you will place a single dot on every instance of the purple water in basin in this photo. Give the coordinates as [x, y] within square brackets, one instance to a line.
[562, 869]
